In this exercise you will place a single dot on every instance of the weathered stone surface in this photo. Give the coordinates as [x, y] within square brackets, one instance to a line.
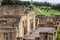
[11, 10]
[9, 21]
[14, 19]
[47, 21]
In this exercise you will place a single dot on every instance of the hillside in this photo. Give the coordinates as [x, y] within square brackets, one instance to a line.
[45, 11]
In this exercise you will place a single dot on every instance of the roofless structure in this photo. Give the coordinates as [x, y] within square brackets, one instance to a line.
[16, 22]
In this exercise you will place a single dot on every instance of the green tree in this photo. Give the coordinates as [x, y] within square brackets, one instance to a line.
[8, 2]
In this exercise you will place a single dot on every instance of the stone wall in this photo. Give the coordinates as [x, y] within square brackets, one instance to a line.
[12, 10]
[8, 25]
[11, 21]
[48, 21]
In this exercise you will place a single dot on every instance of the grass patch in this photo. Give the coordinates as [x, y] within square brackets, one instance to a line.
[46, 11]
[49, 12]
[58, 36]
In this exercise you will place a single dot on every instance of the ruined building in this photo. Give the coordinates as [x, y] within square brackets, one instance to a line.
[52, 22]
[46, 28]
[20, 23]
[16, 22]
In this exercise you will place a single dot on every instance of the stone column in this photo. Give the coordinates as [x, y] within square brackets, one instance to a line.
[57, 28]
[28, 25]
[56, 35]
[38, 22]
[1, 36]
[48, 37]
[34, 23]
[21, 29]
[53, 36]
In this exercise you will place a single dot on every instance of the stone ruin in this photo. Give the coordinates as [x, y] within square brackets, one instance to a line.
[52, 21]
[16, 22]
[9, 20]
[47, 21]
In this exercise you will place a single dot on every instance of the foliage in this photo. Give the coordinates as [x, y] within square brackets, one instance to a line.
[58, 35]
[26, 3]
[8, 2]
[46, 11]
[56, 7]
[42, 3]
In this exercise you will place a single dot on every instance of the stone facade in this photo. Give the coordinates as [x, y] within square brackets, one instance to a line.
[43, 33]
[16, 22]
[52, 21]
[47, 21]
[8, 26]
[47, 36]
